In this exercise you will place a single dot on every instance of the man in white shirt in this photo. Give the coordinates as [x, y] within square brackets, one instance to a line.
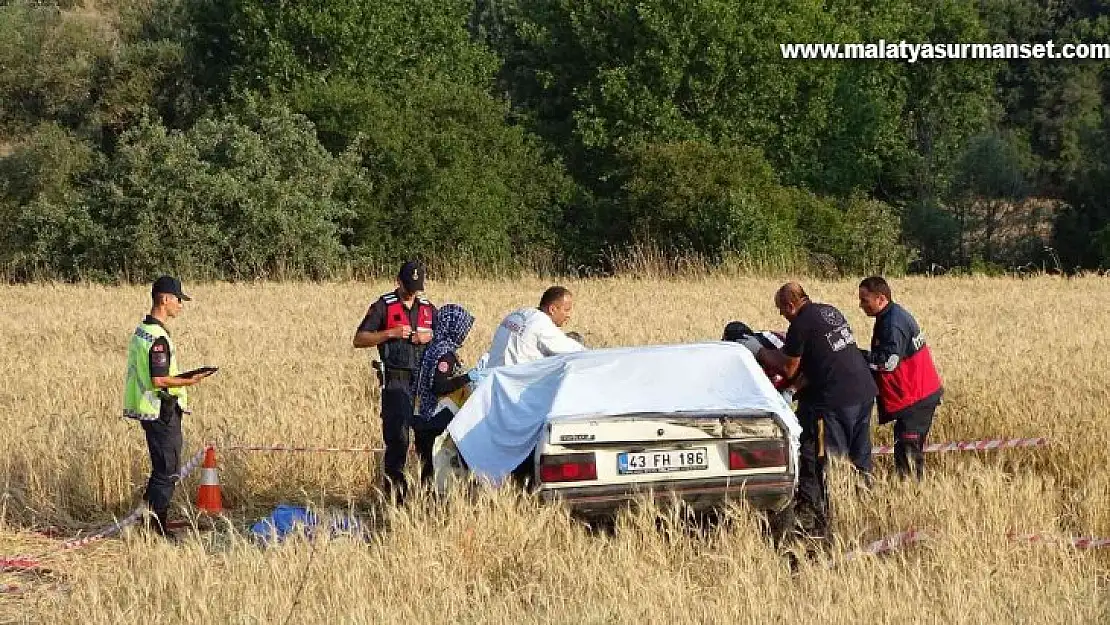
[529, 334]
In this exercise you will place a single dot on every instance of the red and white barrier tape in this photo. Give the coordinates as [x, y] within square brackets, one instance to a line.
[901, 539]
[136, 514]
[280, 447]
[888, 544]
[26, 563]
[1079, 542]
[979, 445]
[19, 563]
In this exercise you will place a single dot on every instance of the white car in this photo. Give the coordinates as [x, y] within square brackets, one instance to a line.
[595, 429]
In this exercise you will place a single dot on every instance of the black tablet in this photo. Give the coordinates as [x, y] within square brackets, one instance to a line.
[189, 374]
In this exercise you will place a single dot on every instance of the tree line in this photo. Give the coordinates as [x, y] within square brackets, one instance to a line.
[240, 139]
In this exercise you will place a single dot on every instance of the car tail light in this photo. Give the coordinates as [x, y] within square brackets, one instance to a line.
[568, 467]
[756, 455]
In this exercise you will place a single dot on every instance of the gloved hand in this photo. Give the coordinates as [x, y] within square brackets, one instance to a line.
[788, 397]
[477, 375]
[752, 343]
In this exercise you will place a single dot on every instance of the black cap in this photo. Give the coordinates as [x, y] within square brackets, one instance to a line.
[736, 330]
[168, 284]
[412, 276]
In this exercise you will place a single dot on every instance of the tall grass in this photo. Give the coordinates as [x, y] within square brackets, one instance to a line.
[1019, 358]
[640, 261]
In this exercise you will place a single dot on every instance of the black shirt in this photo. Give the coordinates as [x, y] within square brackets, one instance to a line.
[445, 381]
[374, 321]
[399, 355]
[836, 371]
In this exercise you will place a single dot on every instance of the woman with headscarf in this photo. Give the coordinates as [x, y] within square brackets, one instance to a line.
[441, 375]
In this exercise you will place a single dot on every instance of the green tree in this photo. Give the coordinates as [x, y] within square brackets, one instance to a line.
[405, 87]
[690, 196]
[50, 63]
[239, 196]
[46, 227]
[596, 76]
[1080, 228]
[862, 235]
[446, 173]
[693, 197]
[992, 173]
[270, 45]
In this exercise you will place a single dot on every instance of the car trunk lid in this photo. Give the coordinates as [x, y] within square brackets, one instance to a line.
[657, 428]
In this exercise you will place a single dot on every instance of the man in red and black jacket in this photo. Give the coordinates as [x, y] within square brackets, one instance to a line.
[399, 324]
[910, 388]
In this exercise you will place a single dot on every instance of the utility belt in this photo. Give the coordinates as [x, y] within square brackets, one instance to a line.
[385, 373]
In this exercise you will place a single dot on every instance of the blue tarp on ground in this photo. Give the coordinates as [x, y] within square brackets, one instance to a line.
[286, 519]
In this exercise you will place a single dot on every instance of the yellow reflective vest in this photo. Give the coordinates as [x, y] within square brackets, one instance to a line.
[141, 400]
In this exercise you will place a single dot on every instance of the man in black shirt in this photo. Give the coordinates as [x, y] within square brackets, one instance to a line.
[399, 324]
[837, 396]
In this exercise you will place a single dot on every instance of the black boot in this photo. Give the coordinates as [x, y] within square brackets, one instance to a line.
[157, 523]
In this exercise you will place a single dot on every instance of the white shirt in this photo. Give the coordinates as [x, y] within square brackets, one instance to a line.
[528, 334]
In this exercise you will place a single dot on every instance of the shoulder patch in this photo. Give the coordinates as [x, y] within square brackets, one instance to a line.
[158, 347]
[389, 297]
[443, 366]
[159, 357]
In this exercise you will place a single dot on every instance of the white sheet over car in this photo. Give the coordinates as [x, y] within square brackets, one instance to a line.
[501, 423]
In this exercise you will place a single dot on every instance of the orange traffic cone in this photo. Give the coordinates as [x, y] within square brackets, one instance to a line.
[208, 493]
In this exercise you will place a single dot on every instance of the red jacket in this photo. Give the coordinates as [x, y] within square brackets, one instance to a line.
[902, 364]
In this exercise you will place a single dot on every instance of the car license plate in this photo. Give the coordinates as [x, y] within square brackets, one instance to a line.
[664, 461]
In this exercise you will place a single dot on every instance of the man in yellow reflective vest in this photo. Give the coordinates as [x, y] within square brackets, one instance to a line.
[155, 395]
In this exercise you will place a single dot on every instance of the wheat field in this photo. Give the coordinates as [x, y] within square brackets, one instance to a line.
[1019, 358]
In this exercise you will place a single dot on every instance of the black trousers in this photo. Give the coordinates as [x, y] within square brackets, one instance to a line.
[828, 431]
[848, 433]
[163, 441]
[810, 501]
[911, 428]
[397, 407]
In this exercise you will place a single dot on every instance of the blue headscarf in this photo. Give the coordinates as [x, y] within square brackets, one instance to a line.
[449, 330]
